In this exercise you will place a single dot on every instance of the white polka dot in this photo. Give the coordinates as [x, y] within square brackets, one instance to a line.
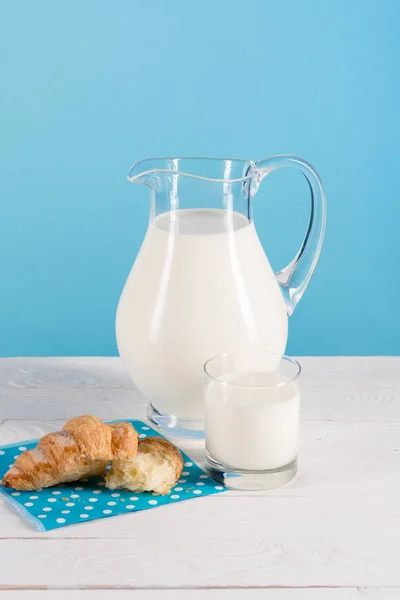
[11, 466]
[107, 512]
[16, 494]
[22, 448]
[101, 484]
[219, 487]
[178, 489]
[28, 504]
[145, 428]
[79, 488]
[133, 498]
[33, 497]
[188, 464]
[2, 452]
[42, 516]
[88, 507]
[142, 435]
[115, 495]
[84, 516]
[74, 495]
[185, 473]
[15, 457]
[111, 503]
[181, 480]
[200, 483]
[56, 493]
[129, 506]
[196, 491]
[203, 476]
[46, 509]
[92, 499]
[97, 491]
[65, 512]
[155, 494]
[70, 504]
[51, 500]
[153, 502]
[60, 520]
[175, 496]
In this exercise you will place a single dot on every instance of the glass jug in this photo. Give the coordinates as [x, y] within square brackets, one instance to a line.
[201, 284]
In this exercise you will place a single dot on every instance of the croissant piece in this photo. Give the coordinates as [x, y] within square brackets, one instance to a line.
[83, 448]
[156, 466]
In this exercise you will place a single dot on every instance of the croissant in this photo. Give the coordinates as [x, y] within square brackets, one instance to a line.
[156, 466]
[82, 448]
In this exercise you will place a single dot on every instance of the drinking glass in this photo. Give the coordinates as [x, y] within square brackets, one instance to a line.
[252, 407]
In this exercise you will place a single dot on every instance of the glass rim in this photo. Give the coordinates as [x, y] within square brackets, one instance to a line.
[285, 357]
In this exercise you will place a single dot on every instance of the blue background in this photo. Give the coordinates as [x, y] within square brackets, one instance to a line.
[88, 88]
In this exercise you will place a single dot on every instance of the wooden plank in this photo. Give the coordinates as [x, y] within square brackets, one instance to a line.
[70, 371]
[266, 543]
[227, 594]
[339, 388]
[351, 388]
[52, 404]
[59, 388]
[110, 371]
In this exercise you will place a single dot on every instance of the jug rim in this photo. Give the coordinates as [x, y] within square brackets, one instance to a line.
[248, 166]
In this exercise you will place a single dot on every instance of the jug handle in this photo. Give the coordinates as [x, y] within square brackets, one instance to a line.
[295, 277]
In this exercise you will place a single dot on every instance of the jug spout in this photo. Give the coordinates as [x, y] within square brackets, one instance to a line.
[143, 170]
[195, 183]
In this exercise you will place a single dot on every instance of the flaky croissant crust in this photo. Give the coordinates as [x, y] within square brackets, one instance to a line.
[83, 448]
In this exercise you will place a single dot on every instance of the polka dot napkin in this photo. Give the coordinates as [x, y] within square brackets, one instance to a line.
[87, 500]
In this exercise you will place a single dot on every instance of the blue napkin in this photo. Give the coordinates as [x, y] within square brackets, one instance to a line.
[87, 500]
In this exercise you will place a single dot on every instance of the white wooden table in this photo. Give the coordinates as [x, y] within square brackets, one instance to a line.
[333, 533]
